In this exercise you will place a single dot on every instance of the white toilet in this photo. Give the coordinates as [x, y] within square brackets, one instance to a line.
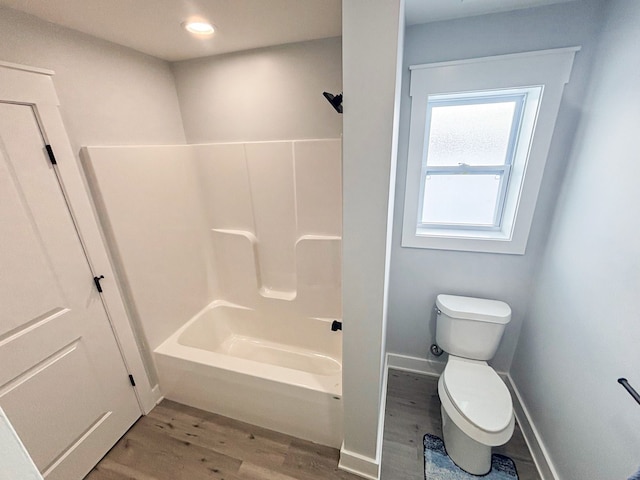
[477, 411]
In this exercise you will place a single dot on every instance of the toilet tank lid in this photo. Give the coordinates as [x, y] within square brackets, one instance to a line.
[471, 308]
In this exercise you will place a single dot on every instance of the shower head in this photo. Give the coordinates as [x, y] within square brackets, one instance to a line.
[334, 100]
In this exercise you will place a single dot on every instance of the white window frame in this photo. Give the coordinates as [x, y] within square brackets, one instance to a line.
[504, 170]
[549, 69]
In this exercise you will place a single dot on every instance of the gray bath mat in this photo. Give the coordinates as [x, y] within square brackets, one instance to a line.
[438, 465]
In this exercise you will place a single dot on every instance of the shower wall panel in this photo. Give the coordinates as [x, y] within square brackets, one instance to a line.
[275, 220]
[271, 171]
[318, 182]
[152, 215]
[225, 185]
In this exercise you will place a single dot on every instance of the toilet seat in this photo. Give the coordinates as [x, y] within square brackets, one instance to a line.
[477, 400]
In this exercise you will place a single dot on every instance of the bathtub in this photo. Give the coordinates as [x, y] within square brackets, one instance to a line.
[282, 372]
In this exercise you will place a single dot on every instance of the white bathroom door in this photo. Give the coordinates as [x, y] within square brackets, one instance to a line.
[63, 382]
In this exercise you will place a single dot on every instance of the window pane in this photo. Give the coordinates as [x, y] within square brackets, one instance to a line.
[460, 199]
[475, 134]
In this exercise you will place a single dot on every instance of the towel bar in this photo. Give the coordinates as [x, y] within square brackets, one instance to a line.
[625, 383]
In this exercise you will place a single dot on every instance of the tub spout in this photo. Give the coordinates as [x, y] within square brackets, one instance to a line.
[336, 325]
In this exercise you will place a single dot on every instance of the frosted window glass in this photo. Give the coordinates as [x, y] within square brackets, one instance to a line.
[460, 199]
[475, 134]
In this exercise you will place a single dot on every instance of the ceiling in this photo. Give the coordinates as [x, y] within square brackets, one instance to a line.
[425, 11]
[154, 26]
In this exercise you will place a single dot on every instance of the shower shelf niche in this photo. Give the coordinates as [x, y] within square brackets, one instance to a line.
[317, 265]
[287, 295]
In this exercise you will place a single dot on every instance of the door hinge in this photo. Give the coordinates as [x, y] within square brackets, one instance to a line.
[52, 157]
[96, 280]
[132, 381]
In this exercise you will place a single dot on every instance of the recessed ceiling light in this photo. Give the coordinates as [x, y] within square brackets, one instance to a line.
[199, 28]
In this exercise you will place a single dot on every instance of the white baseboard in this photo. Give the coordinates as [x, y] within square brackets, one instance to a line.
[148, 397]
[157, 395]
[406, 363]
[358, 464]
[382, 412]
[414, 364]
[538, 451]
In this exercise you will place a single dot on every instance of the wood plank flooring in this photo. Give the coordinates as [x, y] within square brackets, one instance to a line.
[413, 409]
[176, 442]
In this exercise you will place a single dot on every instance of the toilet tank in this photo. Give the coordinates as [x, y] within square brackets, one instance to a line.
[470, 327]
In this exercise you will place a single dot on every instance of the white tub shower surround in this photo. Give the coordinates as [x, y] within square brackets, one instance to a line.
[250, 233]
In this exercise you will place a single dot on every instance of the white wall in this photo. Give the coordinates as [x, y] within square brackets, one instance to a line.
[270, 93]
[418, 275]
[582, 333]
[372, 41]
[109, 95]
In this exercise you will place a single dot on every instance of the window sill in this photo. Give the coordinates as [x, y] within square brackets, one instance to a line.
[465, 241]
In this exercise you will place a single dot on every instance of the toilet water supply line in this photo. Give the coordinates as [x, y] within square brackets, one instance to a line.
[435, 349]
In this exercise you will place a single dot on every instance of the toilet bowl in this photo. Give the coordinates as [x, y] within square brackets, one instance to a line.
[477, 410]
[477, 413]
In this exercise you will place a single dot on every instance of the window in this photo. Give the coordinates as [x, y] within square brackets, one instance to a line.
[472, 139]
[479, 136]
